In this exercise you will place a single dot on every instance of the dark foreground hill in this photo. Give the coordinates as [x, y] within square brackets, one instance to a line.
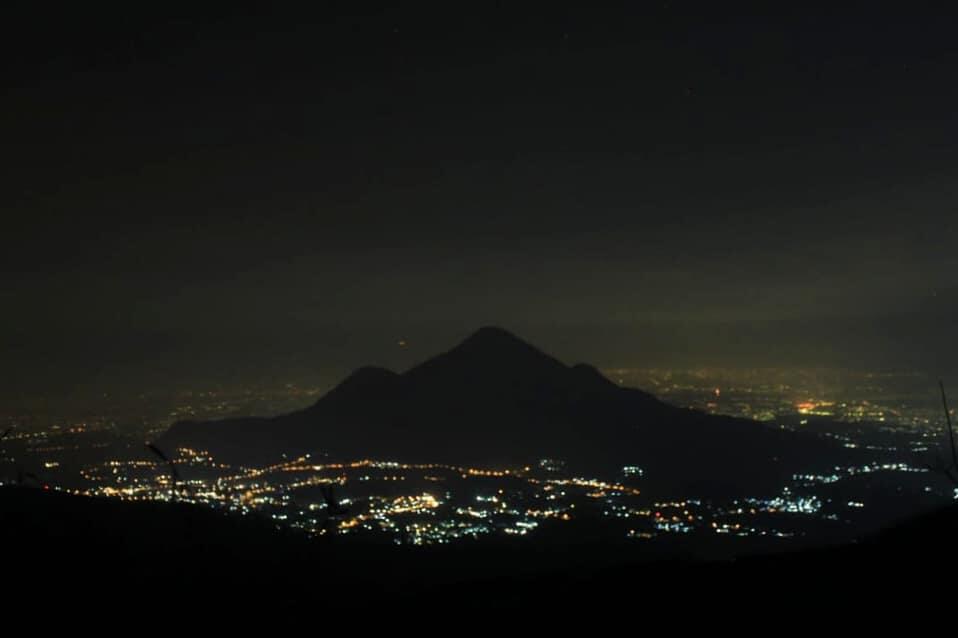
[164, 560]
[495, 400]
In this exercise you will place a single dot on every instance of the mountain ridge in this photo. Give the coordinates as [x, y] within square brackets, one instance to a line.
[495, 400]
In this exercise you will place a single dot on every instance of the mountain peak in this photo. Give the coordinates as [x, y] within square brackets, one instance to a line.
[492, 350]
[493, 334]
[492, 342]
[363, 381]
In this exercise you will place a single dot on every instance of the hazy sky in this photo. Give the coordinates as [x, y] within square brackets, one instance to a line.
[674, 183]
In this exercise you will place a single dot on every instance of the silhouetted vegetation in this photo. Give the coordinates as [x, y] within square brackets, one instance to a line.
[942, 466]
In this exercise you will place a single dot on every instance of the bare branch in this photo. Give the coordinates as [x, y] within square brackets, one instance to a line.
[176, 475]
[951, 431]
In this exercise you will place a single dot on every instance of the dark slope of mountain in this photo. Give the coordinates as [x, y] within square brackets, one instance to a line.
[60, 549]
[496, 400]
[921, 545]
[156, 559]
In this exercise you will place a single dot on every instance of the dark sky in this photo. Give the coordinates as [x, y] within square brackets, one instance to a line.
[655, 184]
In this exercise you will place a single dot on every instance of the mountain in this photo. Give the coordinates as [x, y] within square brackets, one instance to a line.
[496, 400]
[71, 552]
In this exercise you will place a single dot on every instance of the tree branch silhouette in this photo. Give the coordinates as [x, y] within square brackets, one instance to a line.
[949, 471]
[173, 473]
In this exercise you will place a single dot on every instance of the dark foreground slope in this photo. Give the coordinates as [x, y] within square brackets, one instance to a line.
[63, 551]
[496, 400]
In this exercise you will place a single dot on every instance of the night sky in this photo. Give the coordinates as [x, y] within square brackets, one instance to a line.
[189, 196]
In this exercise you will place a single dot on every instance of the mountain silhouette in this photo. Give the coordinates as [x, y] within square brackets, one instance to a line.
[77, 548]
[496, 400]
